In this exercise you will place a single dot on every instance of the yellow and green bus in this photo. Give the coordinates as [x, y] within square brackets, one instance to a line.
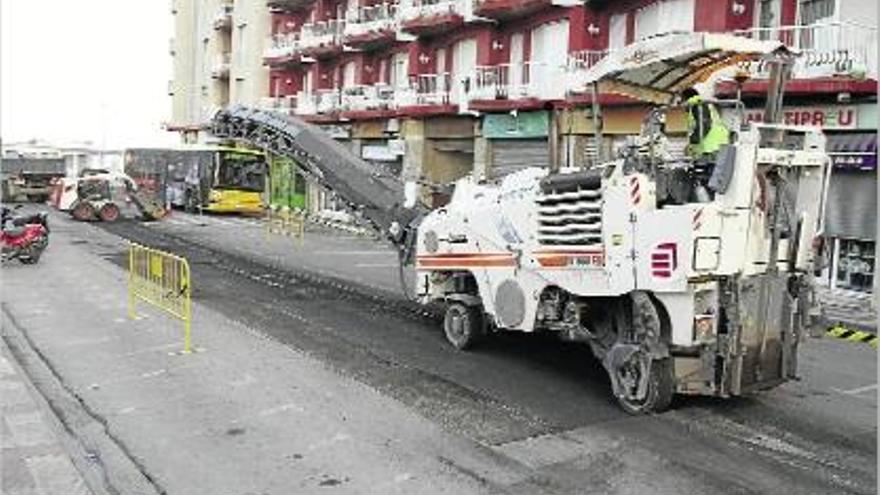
[218, 179]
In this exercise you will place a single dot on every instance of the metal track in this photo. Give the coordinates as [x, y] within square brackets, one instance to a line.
[373, 194]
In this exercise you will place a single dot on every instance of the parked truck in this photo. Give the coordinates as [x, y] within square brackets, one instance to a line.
[27, 178]
[703, 292]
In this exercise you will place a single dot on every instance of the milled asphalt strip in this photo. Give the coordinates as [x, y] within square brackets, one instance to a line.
[106, 464]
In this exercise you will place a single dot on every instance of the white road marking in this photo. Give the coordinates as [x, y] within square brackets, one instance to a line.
[856, 391]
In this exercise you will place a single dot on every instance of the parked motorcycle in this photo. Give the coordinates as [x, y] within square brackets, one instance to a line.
[23, 237]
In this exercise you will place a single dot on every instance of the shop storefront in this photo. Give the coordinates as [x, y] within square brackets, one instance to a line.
[517, 141]
[851, 213]
[379, 142]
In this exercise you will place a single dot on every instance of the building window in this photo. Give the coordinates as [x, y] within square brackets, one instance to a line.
[855, 265]
[816, 11]
[617, 32]
[665, 16]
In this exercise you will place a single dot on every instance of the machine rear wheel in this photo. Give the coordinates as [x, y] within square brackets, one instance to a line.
[83, 211]
[109, 212]
[463, 325]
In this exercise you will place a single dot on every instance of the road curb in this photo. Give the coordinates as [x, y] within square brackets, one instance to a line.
[100, 458]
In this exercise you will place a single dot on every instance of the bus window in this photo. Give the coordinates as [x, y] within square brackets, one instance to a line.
[241, 171]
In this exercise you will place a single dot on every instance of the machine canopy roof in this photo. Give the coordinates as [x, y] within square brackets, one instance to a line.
[658, 68]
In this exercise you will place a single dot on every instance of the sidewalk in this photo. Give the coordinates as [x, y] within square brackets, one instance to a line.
[33, 458]
[247, 415]
[849, 308]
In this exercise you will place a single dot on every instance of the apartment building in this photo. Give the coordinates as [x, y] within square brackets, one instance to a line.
[217, 57]
[435, 89]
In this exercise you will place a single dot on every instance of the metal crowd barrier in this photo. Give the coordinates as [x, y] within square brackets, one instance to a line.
[161, 280]
[285, 222]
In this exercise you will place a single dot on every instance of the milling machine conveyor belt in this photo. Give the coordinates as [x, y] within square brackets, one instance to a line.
[364, 188]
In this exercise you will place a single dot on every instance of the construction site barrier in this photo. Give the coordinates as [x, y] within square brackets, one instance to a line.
[285, 222]
[161, 280]
[841, 332]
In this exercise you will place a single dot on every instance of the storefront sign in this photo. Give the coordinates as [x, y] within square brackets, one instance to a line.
[524, 125]
[337, 131]
[378, 153]
[826, 117]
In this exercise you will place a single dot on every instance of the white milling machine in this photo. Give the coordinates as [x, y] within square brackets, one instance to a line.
[674, 294]
[682, 277]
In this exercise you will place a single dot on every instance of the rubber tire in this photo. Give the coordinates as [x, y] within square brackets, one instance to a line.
[661, 388]
[83, 211]
[472, 326]
[109, 213]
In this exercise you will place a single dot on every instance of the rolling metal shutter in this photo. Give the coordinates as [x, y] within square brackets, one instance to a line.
[852, 205]
[512, 155]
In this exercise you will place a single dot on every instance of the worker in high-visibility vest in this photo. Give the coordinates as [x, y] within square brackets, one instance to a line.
[706, 129]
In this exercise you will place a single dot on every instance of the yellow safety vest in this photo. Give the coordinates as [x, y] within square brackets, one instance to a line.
[707, 130]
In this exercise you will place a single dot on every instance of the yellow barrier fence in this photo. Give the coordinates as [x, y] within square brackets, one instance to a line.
[285, 222]
[161, 280]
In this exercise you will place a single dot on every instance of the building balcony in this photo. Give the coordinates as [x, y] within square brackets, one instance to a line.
[323, 102]
[426, 94]
[833, 50]
[371, 27]
[284, 49]
[429, 17]
[516, 85]
[284, 105]
[579, 62]
[221, 66]
[510, 9]
[223, 18]
[322, 39]
[289, 5]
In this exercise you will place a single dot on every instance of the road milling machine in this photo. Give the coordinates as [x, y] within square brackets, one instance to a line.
[682, 276]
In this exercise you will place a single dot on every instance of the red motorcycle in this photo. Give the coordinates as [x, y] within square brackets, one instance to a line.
[23, 238]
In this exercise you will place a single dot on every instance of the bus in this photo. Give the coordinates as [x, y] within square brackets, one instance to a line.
[218, 179]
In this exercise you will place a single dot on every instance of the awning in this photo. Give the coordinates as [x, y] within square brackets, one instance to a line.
[658, 68]
[853, 150]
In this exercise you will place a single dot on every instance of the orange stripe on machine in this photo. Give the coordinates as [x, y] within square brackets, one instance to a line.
[469, 260]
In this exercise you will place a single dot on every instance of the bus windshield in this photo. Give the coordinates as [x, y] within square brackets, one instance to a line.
[241, 171]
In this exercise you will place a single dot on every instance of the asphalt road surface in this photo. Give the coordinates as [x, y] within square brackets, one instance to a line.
[533, 399]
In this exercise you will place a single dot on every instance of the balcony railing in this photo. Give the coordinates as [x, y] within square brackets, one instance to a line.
[415, 9]
[282, 104]
[585, 59]
[282, 45]
[425, 89]
[324, 33]
[375, 18]
[498, 82]
[833, 49]
[365, 98]
[516, 81]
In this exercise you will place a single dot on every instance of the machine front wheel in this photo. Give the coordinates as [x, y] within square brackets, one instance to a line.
[463, 325]
[660, 386]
